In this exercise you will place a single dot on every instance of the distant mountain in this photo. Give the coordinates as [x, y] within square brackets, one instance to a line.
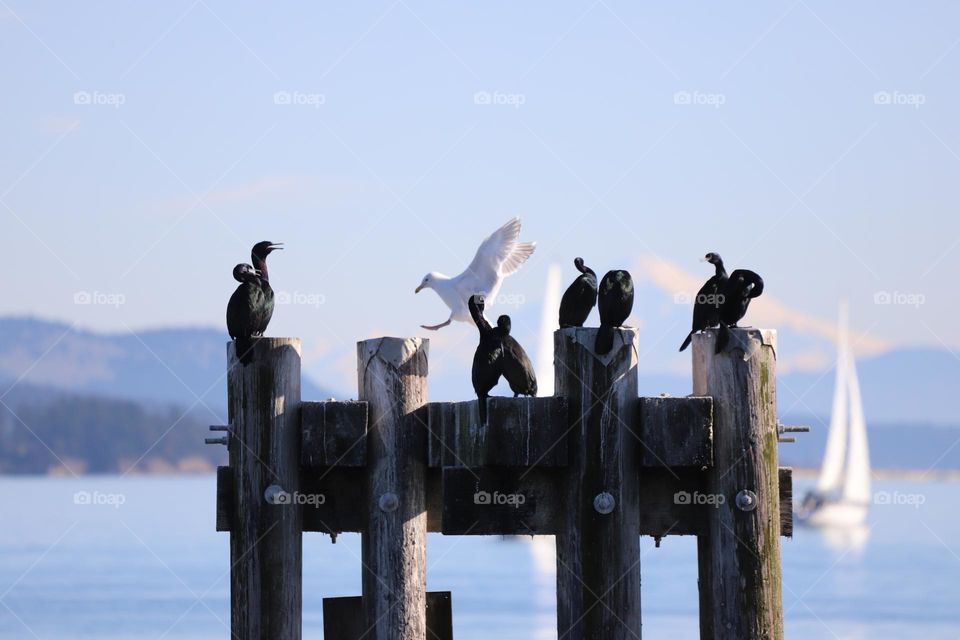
[179, 366]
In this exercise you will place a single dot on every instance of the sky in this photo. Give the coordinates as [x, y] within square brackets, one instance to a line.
[146, 147]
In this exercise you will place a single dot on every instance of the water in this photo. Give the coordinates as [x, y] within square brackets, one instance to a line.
[153, 567]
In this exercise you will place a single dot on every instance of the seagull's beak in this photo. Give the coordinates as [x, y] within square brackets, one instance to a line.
[417, 290]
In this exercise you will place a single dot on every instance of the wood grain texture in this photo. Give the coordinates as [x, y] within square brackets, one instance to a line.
[265, 539]
[598, 556]
[343, 617]
[676, 432]
[333, 434]
[739, 555]
[392, 379]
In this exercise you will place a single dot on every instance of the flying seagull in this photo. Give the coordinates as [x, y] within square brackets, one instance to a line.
[499, 255]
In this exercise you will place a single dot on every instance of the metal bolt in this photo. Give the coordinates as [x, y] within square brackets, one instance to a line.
[604, 503]
[388, 502]
[747, 500]
[274, 494]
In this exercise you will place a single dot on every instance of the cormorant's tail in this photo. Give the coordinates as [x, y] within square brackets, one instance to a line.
[482, 406]
[686, 343]
[244, 348]
[604, 340]
[723, 337]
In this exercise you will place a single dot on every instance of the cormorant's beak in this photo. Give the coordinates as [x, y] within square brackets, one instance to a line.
[749, 288]
[257, 272]
[417, 290]
[275, 245]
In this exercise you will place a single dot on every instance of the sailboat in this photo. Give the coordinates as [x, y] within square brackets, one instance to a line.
[841, 497]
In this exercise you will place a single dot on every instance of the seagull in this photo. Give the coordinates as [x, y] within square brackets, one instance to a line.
[498, 256]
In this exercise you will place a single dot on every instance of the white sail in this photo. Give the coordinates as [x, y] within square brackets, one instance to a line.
[856, 485]
[548, 324]
[831, 473]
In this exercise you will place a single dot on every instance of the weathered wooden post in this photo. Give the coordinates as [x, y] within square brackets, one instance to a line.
[265, 534]
[739, 557]
[598, 549]
[392, 379]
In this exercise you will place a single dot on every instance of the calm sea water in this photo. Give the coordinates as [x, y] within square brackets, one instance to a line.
[146, 563]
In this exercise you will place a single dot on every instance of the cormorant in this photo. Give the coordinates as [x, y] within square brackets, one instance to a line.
[579, 298]
[740, 288]
[241, 310]
[517, 368]
[264, 311]
[615, 302]
[488, 358]
[706, 308]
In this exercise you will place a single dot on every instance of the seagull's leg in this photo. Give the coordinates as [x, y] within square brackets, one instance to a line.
[437, 326]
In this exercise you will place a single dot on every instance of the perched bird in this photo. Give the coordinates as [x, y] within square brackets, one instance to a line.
[517, 367]
[579, 298]
[242, 309]
[264, 311]
[706, 308]
[498, 256]
[615, 301]
[740, 288]
[488, 358]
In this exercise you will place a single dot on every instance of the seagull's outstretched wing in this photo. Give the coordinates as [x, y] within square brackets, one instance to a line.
[499, 255]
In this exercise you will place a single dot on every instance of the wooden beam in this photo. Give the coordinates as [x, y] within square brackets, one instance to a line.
[519, 432]
[598, 552]
[785, 478]
[333, 434]
[393, 381]
[739, 556]
[500, 501]
[676, 432]
[343, 617]
[264, 447]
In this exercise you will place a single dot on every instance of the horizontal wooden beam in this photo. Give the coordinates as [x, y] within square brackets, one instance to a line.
[519, 433]
[343, 617]
[676, 432]
[672, 502]
[333, 434]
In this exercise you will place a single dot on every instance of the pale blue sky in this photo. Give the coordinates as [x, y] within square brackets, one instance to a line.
[799, 173]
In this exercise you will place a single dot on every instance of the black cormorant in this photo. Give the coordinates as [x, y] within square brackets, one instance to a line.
[517, 367]
[615, 302]
[706, 308]
[740, 288]
[488, 358]
[242, 309]
[579, 298]
[264, 311]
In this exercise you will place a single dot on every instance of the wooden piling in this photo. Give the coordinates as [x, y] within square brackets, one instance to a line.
[392, 379]
[598, 549]
[739, 555]
[265, 534]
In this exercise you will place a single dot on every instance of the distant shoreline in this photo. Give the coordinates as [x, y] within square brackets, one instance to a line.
[939, 475]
